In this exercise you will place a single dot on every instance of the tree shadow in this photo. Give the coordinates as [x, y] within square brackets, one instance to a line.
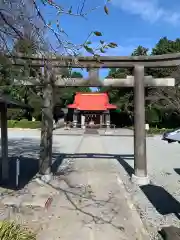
[82, 199]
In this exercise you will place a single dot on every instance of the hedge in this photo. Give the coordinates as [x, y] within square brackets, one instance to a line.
[24, 123]
[156, 131]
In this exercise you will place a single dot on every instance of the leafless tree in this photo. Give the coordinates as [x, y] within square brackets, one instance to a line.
[18, 15]
[167, 98]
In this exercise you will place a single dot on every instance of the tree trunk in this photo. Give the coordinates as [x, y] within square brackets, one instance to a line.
[47, 125]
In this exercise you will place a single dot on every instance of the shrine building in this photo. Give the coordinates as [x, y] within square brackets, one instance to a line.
[90, 107]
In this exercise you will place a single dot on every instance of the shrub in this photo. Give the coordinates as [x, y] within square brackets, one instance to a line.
[13, 231]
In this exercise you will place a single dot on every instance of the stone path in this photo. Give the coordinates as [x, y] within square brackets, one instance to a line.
[91, 131]
[94, 205]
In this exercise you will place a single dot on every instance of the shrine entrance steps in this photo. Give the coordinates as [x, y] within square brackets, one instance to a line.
[91, 131]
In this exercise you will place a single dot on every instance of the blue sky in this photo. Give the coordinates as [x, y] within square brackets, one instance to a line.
[130, 23]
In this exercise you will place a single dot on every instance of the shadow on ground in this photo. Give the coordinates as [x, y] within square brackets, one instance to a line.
[162, 200]
[121, 159]
[177, 170]
[27, 152]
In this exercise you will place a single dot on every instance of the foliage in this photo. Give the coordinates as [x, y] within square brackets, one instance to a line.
[15, 114]
[153, 116]
[65, 96]
[165, 46]
[13, 231]
[140, 51]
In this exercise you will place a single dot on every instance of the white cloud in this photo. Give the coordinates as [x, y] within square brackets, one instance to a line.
[149, 10]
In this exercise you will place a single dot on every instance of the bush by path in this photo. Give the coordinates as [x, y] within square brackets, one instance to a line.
[157, 131]
[13, 231]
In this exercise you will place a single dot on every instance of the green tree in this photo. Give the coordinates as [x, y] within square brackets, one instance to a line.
[140, 51]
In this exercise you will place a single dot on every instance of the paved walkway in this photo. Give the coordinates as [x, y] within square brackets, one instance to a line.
[93, 206]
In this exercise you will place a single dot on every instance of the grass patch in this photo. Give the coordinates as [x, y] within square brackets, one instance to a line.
[24, 123]
[13, 231]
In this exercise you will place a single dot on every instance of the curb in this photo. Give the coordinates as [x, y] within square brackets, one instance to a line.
[22, 129]
[139, 225]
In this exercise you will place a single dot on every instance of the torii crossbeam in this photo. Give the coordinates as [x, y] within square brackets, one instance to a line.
[139, 81]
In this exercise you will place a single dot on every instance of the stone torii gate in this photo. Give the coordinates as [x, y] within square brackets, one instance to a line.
[49, 80]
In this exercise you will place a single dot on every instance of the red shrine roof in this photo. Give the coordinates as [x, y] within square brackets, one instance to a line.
[92, 102]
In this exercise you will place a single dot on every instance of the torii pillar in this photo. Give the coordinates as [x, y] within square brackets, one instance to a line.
[140, 176]
[4, 143]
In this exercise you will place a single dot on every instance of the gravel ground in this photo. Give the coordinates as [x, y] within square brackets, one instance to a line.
[159, 202]
[30, 139]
